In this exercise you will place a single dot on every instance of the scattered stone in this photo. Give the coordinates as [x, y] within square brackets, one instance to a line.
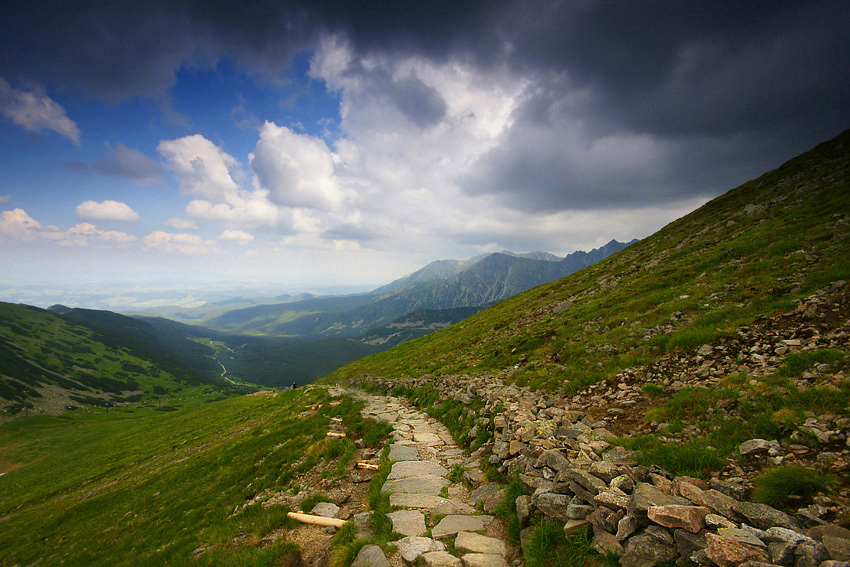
[453, 524]
[573, 526]
[409, 469]
[716, 521]
[403, 453]
[371, 556]
[481, 493]
[809, 554]
[728, 552]
[412, 547]
[429, 503]
[440, 559]
[754, 447]
[432, 485]
[691, 518]
[494, 501]
[837, 547]
[742, 536]
[325, 509]
[484, 560]
[408, 522]
[646, 496]
[523, 508]
[763, 516]
[688, 543]
[480, 544]
[644, 549]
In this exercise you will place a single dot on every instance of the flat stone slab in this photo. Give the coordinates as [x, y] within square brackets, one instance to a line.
[427, 438]
[480, 544]
[427, 484]
[440, 559]
[408, 469]
[484, 491]
[403, 453]
[408, 522]
[484, 560]
[430, 504]
[457, 523]
[412, 547]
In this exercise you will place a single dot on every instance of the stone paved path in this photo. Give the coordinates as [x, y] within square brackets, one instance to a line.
[423, 454]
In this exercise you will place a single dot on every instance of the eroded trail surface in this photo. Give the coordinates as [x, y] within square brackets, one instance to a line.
[424, 455]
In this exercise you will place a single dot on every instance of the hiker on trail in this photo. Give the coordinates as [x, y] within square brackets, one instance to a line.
[294, 385]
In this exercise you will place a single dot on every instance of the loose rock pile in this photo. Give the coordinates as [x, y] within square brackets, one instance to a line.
[560, 449]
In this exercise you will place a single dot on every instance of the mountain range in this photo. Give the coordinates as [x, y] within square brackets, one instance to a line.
[444, 284]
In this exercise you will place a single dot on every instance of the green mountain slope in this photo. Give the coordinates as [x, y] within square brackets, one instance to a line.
[54, 360]
[184, 488]
[754, 250]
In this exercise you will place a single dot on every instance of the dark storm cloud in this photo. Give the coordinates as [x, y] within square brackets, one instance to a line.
[131, 164]
[667, 67]
[672, 86]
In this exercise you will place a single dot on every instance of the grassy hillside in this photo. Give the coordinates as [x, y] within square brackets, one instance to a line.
[182, 488]
[752, 251]
[78, 358]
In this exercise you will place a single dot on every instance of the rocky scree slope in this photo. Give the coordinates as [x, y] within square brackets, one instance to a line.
[644, 395]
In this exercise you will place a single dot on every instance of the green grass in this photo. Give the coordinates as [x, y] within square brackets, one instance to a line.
[151, 489]
[790, 486]
[549, 547]
[693, 458]
[718, 267]
[507, 509]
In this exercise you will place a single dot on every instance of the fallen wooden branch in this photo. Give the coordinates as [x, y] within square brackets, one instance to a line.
[316, 520]
[334, 434]
[367, 466]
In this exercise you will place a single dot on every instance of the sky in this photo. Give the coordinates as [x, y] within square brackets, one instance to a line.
[317, 142]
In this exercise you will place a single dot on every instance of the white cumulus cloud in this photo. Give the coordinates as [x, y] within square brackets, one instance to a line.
[181, 224]
[238, 236]
[85, 234]
[206, 171]
[296, 169]
[106, 210]
[203, 169]
[18, 225]
[36, 112]
[179, 242]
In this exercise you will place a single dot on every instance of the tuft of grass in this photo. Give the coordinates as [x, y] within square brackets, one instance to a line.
[788, 486]
[313, 499]
[549, 547]
[652, 389]
[797, 363]
[456, 474]
[694, 458]
[507, 509]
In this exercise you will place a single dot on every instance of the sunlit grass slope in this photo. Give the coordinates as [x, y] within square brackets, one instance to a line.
[748, 252]
[81, 357]
[152, 490]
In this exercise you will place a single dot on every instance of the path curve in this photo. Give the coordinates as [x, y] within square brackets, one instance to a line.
[423, 454]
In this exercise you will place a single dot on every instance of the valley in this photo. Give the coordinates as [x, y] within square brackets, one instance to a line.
[681, 399]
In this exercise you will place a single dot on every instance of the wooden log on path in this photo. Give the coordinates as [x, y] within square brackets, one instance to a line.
[367, 466]
[316, 520]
